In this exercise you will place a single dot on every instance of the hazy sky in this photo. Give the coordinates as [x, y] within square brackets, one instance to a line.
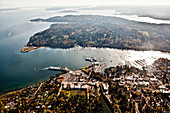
[40, 3]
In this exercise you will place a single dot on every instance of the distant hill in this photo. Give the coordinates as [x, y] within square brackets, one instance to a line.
[68, 11]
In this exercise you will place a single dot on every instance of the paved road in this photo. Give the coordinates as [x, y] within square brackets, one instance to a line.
[37, 90]
[59, 90]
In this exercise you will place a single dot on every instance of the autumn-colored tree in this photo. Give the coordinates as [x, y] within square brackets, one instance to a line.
[2, 107]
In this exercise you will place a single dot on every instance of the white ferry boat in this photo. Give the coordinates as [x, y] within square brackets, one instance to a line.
[54, 68]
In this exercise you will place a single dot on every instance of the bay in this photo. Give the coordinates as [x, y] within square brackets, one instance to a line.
[18, 70]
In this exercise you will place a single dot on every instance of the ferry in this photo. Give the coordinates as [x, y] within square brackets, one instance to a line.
[54, 68]
[91, 59]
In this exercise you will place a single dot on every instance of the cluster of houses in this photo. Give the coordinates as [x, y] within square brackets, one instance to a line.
[78, 85]
[150, 89]
[146, 81]
[27, 97]
[137, 81]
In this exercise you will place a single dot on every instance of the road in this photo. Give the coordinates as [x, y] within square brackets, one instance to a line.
[108, 109]
[105, 104]
[59, 90]
[37, 90]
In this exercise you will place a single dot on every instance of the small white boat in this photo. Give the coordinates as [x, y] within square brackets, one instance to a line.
[88, 59]
[9, 34]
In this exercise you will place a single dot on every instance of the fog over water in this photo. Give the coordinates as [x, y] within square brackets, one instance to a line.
[19, 70]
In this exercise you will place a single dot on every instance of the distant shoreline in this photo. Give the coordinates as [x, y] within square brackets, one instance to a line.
[157, 18]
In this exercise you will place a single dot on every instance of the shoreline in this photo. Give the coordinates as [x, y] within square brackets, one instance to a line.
[26, 49]
[22, 88]
[7, 93]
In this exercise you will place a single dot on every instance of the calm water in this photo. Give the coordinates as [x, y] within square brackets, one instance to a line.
[22, 69]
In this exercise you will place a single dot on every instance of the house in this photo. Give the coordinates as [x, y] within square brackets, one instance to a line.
[84, 86]
[122, 83]
[143, 83]
[77, 86]
[140, 79]
[64, 86]
[72, 86]
[167, 92]
[146, 83]
[116, 79]
[128, 78]
[153, 80]
[135, 76]
[162, 87]
[134, 83]
[105, 88]
[92, 83]
[82, 80]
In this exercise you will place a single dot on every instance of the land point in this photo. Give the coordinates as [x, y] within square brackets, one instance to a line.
[28, 49]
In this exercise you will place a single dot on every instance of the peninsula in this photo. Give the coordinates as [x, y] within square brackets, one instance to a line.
[101, 31]
[28, 49]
